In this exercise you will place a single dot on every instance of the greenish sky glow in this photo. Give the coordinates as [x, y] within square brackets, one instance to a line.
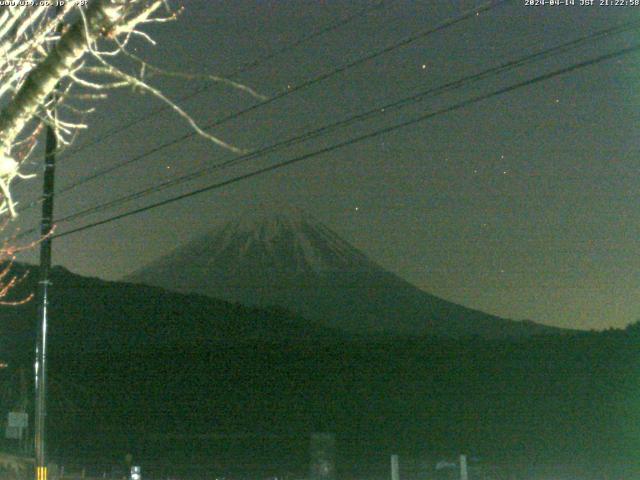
[524, 205]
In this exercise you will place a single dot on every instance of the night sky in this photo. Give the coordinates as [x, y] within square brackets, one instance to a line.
[523, 205]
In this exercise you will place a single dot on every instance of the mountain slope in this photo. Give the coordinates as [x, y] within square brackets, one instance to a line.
[294, 261]
[89, 314]
[135, 362]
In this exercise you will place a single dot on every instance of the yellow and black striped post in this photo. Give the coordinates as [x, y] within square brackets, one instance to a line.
[41, 473]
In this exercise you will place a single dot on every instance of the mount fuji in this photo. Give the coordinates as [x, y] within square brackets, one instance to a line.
[292, 260]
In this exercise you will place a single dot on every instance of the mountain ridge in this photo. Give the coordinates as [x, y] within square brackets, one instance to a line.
[90, 314]
[294, 261]
[143, 359]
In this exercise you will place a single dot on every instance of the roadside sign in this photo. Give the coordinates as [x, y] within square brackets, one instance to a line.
[18, 419]
[16, 425]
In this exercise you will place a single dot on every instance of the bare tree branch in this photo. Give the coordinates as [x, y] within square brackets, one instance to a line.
[39, 58]
[101, 17]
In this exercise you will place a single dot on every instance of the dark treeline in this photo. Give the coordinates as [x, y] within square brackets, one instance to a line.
[564, 400]
[191, 382]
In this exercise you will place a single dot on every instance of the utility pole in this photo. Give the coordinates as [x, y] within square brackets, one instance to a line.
[46, 227]
[464, 475]
[395, 467]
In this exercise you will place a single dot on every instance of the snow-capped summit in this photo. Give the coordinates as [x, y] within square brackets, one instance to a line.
[292, 241]
[288, 258]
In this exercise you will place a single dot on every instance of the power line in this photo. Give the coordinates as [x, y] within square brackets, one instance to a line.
[370, 113]
[243, 69]
[376, 111]
[447, 24]
[360, 138]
